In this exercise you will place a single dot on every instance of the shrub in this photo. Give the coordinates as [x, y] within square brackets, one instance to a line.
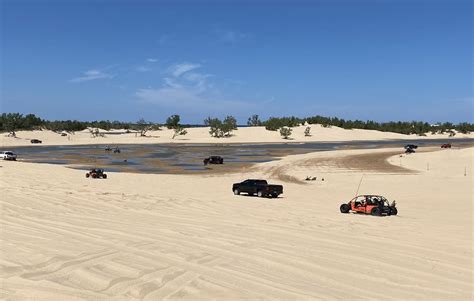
[218, 128]
[285, 132]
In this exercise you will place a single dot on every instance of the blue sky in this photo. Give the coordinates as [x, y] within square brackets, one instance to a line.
[124, 60]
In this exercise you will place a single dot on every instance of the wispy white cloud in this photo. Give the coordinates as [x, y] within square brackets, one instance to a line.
[232, 36]
[151, 60]
[179, 69]
[92, 74]
[142, 69]
[187, 89]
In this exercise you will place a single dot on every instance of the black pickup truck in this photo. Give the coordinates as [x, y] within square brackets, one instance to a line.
[259, 187]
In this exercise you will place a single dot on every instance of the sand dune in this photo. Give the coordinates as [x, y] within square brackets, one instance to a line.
[201, 135]
[153, 237]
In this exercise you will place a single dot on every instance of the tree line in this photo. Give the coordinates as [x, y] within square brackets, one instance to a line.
[402, 127]
[11, 122]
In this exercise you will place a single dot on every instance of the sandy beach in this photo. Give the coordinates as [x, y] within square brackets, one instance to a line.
[201, 135]
[154, 237]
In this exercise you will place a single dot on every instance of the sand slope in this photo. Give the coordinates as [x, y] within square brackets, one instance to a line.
[201, 135]
[153, 237]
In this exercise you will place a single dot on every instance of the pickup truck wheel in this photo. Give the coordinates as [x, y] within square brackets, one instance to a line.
[345, 208]
[260, 194]
[236, 192]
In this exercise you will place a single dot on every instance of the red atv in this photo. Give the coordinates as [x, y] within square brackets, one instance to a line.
[96, 173]
[370, 204]
[446, 145]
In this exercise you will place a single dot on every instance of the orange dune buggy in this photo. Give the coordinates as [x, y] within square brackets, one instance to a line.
[370, 204]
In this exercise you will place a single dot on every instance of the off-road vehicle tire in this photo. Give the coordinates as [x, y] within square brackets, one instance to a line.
[274, 195]
[345, 208]
[94, 176]
[393, 211]
[376, 211]
[236, 192]
[104, 176]
[260, 194]
[87, 175]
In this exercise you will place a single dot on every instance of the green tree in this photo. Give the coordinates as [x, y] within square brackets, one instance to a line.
[254, 120]
[12, 122]
[215, 127]
[143, 126]
[228, 125]
[172, 122]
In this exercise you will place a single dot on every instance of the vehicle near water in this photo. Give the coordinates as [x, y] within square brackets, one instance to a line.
[446, 145]
[370, 204]
[214, 160]
[8, 155]
[35, 141]
[108, 148]
[259, 187]
[96, 173]
[117, 150]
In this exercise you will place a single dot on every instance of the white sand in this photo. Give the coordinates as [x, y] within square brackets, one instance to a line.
[201, 135]
[153, 237]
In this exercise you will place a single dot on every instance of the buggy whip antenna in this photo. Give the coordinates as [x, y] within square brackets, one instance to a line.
[360, 182]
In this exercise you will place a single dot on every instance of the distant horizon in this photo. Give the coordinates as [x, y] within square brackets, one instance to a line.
[125, 60]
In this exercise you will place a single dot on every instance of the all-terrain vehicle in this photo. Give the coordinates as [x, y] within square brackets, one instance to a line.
[259, 187]
[446, 145]
[96, 173]
[370, 204]
[108, 148]
[35, 141]
[117, 150]
[213, 160]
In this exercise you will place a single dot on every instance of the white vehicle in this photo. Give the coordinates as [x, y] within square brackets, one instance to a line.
[7, 155]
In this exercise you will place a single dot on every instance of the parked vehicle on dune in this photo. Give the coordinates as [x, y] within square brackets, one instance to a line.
[96, 173]
[370, 204]
[214, 160]
[446, 145]
[259, 187]
[412, 146]
[35, 141]
[8, 155]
